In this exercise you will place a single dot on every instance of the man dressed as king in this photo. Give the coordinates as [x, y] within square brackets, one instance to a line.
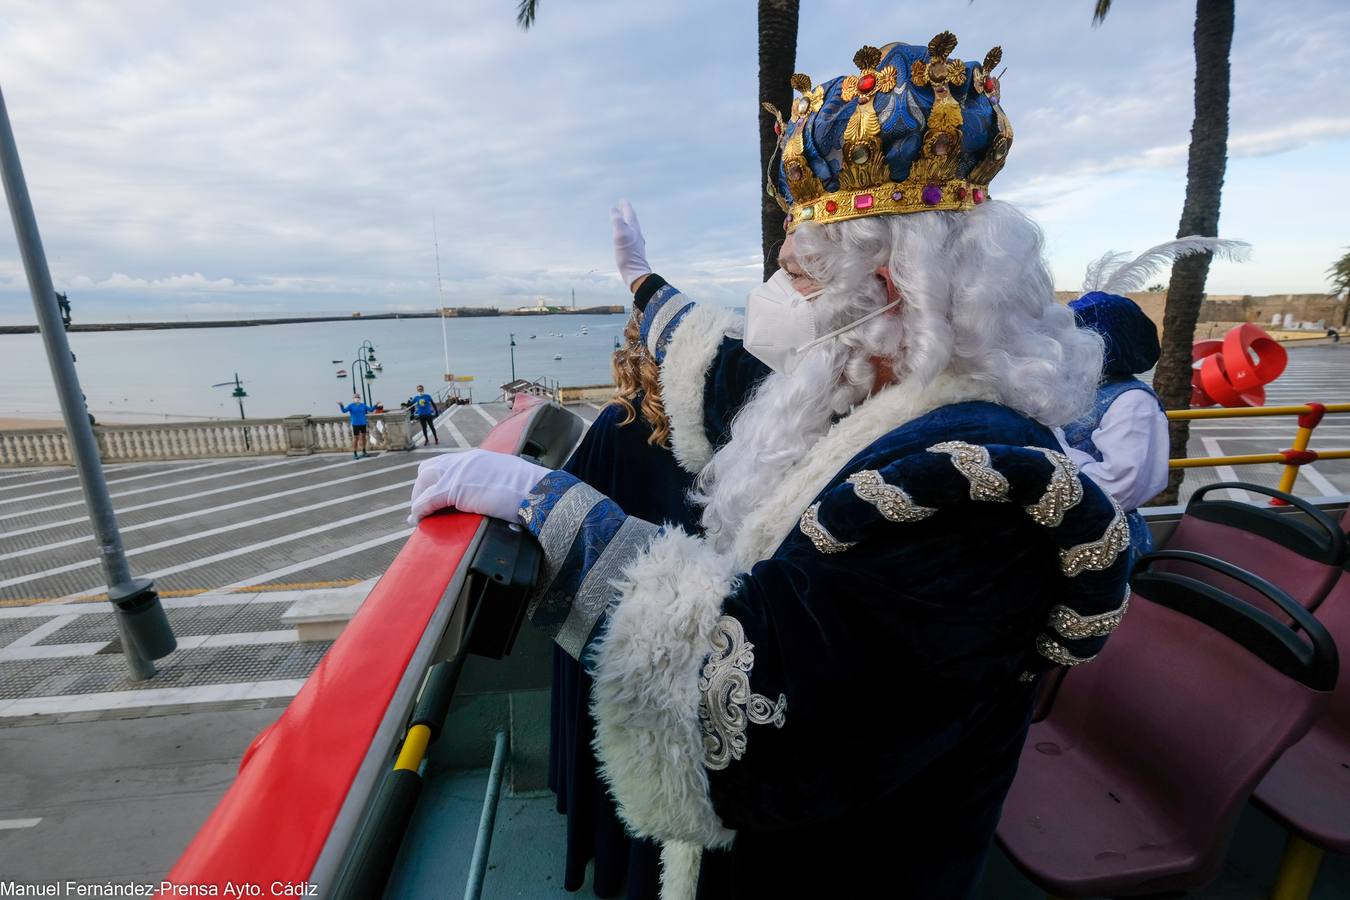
[833, 682]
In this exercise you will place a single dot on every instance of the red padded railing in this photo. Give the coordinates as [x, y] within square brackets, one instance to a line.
[275, 818]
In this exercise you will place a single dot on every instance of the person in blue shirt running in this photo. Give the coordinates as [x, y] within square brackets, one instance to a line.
[357, 411]
[425, 409]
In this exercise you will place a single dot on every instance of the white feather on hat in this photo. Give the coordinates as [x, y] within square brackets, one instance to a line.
[1112, 275]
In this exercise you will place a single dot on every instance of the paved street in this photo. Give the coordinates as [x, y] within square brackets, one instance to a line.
[231, 545]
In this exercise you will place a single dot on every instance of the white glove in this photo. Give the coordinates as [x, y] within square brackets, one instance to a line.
[630, 247]
[475, 481]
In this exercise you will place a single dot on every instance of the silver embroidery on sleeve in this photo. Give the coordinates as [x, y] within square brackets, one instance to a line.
[1062, 494]
[1099, 554]
[661, 321]
[564, 522]
[891, 501]
[1076, 627]
[972, 461]
[597, 587]
[728, 706]
[1058, 654]
[819, 534]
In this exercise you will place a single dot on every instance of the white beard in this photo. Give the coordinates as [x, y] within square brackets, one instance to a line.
[775, 429]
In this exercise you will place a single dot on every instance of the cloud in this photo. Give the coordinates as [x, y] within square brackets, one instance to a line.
[293, 155]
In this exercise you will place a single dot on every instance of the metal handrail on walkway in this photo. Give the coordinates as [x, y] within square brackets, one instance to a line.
[1310, 415]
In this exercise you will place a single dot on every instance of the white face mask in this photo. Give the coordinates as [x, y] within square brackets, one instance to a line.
[780, 324]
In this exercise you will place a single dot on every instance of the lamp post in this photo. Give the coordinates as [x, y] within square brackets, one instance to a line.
[363, 370]
[513, 356]
[141, 622]
[239, 394]
[364, 374]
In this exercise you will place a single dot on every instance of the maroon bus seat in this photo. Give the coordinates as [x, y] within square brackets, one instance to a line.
[1308, 790]
[1134, 782]
[1301, 557]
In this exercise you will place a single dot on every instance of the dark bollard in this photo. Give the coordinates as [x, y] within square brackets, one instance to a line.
[142, 614]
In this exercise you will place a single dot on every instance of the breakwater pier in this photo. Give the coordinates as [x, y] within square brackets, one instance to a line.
[452, 312]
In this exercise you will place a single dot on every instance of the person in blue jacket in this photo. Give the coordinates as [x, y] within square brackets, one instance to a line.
[424, 409]
[357, 412]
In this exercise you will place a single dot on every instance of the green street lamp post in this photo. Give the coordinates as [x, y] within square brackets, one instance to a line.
[239, 394]
[513, 356]
[363, 370]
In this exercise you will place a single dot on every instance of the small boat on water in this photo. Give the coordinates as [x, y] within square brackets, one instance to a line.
[337, 362]
[342, 373]
[557, 356]
[377, 366]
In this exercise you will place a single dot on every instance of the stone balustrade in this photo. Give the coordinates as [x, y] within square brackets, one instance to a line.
[291, 436]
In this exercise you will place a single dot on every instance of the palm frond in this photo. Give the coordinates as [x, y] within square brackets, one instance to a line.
[525, 13]
[1135, 274]
[1100, 269]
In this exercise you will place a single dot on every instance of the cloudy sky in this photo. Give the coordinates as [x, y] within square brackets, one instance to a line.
[195, 159]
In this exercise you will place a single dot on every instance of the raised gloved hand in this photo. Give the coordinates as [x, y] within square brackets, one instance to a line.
[630, 247]
[475, 481]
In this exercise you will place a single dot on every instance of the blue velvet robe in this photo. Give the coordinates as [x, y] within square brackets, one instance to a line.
[618, 461]
[848, 712]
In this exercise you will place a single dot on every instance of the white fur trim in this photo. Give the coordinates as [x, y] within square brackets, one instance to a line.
[680, 862]
[766, 527]
[645, 699]
[683, 374]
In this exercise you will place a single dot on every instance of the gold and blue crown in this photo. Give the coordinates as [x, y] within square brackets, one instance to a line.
[915, 130]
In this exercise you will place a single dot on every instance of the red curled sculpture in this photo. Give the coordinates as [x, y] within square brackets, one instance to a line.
[1227, 374]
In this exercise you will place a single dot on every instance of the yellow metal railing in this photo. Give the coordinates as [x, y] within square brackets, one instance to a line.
[1309, 417]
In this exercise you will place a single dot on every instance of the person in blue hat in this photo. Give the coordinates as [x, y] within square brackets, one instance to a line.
[1122, 441]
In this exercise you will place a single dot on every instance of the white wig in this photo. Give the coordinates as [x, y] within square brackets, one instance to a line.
[978, 302]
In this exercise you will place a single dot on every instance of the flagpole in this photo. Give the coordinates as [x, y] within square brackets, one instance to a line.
[445, 342]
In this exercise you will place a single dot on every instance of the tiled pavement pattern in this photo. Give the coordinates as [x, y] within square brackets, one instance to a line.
[228, 542]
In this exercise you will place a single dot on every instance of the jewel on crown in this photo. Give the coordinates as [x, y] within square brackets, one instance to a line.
[860, 182]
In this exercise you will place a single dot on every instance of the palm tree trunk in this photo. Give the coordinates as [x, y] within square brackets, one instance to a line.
[777, 58]
[1199, 215]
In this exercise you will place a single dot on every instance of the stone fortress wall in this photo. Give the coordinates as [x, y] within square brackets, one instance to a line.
[1333, 311]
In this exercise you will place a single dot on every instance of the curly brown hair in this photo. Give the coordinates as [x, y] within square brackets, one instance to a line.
[636, 374]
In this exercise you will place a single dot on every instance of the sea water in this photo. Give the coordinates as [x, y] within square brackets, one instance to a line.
[139, 376]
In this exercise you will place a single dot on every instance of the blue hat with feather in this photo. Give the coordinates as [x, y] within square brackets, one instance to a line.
[1130, 336]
